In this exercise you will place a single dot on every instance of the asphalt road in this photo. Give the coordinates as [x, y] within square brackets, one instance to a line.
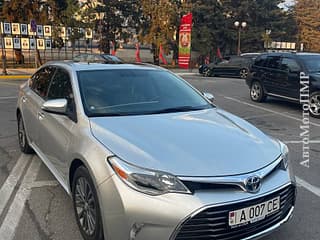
[33, 206]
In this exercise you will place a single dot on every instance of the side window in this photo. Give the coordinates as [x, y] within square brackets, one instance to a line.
[290, 65]
[274, 62]
[260, 61]
[60, 86]
[39, 82]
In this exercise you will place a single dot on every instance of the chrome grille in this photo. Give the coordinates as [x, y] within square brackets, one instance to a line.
[212, 223]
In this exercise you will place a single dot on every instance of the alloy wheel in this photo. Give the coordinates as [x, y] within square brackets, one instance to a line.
[256, 91]
[243, 73]
[314, 104]
[21, 134]
[85, 206]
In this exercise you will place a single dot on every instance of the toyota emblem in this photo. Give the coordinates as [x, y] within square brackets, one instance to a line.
[253, 184]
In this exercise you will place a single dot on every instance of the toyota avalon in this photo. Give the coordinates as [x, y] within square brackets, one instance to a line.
[144, 155]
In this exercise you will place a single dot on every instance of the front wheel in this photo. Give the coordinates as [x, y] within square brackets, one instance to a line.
[86, 205]
[243, 73]
[22, 137]
[257, 93]
[314, 105]
[207, 72]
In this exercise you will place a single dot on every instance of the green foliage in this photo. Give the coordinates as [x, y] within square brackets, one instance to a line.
[214, 24]
[118, 18]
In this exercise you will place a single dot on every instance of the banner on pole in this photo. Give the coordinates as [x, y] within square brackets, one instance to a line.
[185, 41]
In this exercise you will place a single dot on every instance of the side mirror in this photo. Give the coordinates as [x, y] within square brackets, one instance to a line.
[208, 96]
[57, 106]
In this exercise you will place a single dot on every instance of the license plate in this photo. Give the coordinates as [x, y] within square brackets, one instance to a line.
[253, 213]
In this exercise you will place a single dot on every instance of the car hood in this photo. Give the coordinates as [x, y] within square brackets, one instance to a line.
[208, 142]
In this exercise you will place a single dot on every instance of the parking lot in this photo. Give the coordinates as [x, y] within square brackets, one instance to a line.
[33, 205]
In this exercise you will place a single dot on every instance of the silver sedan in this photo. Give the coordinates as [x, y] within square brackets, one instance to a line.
[145, 156]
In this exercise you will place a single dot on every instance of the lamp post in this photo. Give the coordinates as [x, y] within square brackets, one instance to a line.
[239, 26]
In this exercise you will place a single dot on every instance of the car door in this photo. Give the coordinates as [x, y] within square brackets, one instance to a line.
[228, 67]
[56, 130]
[290, 83]
[32, 100]
[272, 73]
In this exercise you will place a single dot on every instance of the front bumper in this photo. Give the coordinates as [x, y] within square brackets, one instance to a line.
[128, 214]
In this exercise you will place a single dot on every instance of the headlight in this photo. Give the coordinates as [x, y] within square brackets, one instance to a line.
[285, 155]
[145, 180]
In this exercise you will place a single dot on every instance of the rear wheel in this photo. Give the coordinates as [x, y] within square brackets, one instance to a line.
[207, 72]
[243, 73]
[314, 105]
[86, 205]
[257, 93]
[22, 137]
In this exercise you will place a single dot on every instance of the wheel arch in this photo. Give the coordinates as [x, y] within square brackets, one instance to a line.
[75, 164]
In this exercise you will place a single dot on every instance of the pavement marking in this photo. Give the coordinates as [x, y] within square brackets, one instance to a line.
[10, 84]
[315, 190]
[11, 221]
[40, 184]
[269, 110]
[12, 180]
[14, 97]
[300, 141]
[187, 74]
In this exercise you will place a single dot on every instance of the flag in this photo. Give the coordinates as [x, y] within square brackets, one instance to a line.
[113, 49]
[207, 60]
[185, 41]
[219, 53]
[161, 56]
[138, 59]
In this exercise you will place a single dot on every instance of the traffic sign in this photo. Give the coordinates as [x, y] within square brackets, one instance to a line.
[33, 25]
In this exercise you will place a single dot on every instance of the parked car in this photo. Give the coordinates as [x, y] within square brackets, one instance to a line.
[144, 155]
[233, 66]
[98, 58]
[278, 75]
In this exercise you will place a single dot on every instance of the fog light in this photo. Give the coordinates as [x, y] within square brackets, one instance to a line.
[136, 228]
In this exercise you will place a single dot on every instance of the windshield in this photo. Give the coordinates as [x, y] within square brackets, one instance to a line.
[120, 92]
[312, 62]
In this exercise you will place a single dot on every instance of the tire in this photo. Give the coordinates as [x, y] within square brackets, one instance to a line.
[243, 73]
[257, 93]
[314, 105]
[207, 72]
[86, 205]
[22, 137]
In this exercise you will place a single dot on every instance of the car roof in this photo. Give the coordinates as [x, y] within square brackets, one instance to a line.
[85, 66]
[291, 54]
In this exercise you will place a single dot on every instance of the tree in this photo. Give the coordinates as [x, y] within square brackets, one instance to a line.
[118, 18]
[214, 24]
[308, 14]
[159, 24]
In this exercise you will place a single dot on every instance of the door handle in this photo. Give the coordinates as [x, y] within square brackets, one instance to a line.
[23, 99]
[41, 115]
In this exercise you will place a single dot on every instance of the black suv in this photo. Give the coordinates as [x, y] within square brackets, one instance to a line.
[278, 75]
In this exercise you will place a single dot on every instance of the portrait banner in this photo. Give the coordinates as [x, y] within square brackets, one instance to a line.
[185, 41]
[25, 43]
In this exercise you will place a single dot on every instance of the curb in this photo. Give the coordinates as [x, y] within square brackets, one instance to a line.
[15, 76]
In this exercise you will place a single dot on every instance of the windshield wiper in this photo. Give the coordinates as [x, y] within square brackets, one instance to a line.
[180, 109]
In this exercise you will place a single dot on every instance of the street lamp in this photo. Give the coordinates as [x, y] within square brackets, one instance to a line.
[239, 26]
